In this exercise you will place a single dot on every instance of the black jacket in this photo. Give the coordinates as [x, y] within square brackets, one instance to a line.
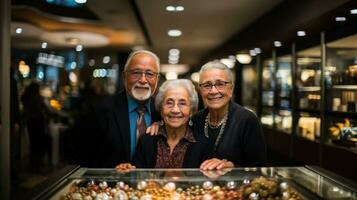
[103, 139]
[242, 141]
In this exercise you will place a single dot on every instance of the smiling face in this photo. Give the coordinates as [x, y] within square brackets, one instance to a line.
[176, 108]
[138, 79]
[216, 99]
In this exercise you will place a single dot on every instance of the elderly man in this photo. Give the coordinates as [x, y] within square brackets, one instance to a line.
[111, 131]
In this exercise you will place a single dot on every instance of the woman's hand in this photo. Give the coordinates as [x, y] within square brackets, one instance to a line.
[124, 167]
[153, 129]
[216, 163]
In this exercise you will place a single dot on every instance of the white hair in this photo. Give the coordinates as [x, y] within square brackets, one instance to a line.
[132, 54]
[216, 64]
[172, 85]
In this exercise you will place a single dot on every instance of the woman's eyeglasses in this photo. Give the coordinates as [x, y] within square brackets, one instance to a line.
[219, 85]
[180, 104]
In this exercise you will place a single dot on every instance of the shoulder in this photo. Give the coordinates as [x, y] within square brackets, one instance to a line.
[239, 111]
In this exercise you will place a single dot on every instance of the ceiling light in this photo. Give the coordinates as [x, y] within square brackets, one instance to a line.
[171, 75]
[301, 33]
[18, 30]
[44, 45]
[340, 19]
[174, 52]
[229, 62]
[244, 58]
[80, 1]
[173, 62]
[180, 8]
[79, 47]
[170, 8]
[252, 52]
[91, 62]
[106, 59]
[174, 33]
[257, 50]
[174, 57]
[353, 11]
[277, 44]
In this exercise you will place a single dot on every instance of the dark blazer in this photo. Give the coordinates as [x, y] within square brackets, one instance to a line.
[146, 151]
[105, 140]
[242, 141]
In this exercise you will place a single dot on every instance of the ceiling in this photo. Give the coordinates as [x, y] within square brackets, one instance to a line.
[125, 25]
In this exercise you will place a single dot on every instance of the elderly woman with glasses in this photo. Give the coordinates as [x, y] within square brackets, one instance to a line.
[174, 146]
[234, 133]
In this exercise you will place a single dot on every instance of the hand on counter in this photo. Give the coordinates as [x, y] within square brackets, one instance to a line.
[216, 163]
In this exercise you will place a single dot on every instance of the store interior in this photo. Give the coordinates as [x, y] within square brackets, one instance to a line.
[295, 67]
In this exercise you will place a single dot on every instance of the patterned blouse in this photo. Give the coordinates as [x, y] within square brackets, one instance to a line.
[175, 160]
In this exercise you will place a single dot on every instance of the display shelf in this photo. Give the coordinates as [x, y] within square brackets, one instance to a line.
[309, 89]
[238, 183]
[344, 87]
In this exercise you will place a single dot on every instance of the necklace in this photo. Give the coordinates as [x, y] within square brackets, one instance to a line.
[222, 125]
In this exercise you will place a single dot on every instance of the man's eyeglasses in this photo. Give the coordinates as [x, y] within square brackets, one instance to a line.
[220, 85]
[136, 74]
[180, 104]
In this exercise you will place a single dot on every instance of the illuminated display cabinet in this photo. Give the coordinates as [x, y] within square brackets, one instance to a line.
[239, 183]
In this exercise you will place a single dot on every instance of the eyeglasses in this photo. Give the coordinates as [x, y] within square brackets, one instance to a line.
[136, 74]
[181, 104]
[220, 85]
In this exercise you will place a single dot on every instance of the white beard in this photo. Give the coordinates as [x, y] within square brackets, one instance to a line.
[139, 95]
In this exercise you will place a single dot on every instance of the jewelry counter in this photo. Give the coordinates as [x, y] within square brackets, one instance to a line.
[290, 183]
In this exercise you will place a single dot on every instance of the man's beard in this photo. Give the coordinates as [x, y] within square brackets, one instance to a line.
[141, 95]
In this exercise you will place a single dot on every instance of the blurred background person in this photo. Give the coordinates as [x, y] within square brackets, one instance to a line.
[37, 116]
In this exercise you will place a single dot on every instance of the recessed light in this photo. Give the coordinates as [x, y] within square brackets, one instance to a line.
[340, 19]
[353, 11]
[174, 52]
[174, 33]
[170, 8]
[44, 45]
[180, 8]
[277, 44]
[257, 50]
[301, 33]
[91, 62]
[18, 30]
[252, 52]
[79, 47]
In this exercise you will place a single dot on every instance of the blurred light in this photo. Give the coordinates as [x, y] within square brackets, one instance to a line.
[18, 30]
[44, 45]
[301, 33]
[174, 33]
[72, 41]
[170, 8]
[174, 57]
[252, 52]
[180, 8]
[73, 65]
[174, 52]
[173, 61]
[353, 11]
[40, 75]
[73, 77]
[80, 1]
[340, 19]
[277, 44]
[79, 47]
[229, 62]
[91, 62]
[24, 69]
[171, 75]
[106, 59]
[257, 50]
[175, 8]
[244, 58]
[195, 77]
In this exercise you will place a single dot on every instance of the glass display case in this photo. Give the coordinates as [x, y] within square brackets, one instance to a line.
[239, 183]
[341, 92]
[250, 87]
[268, 86]
[284, 91]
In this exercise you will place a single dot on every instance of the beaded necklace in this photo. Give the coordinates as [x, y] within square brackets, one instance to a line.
[222, 125]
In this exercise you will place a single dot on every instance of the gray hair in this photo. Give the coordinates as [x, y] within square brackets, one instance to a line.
[132, 54]
[172, 85]
[216, 64]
